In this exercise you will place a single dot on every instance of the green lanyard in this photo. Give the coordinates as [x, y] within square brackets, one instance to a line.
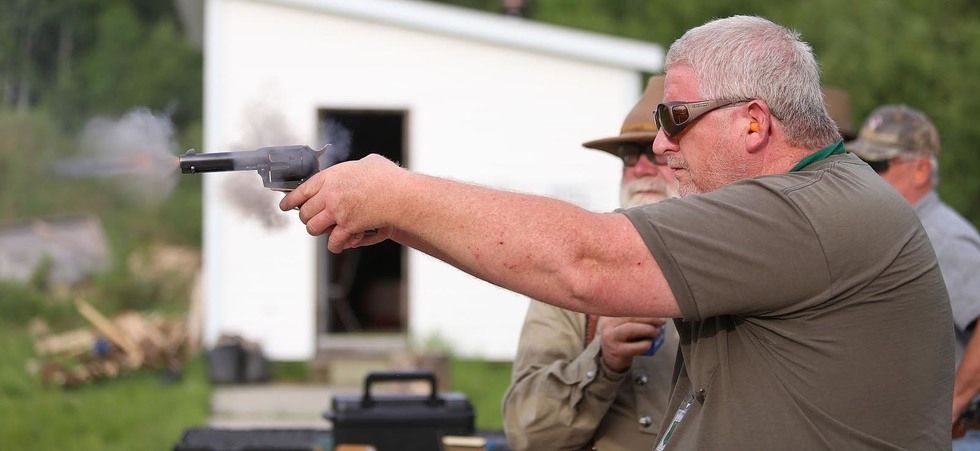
[836, 148]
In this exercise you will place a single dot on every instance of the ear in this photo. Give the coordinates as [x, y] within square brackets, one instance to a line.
[758, 125]
[922, 174]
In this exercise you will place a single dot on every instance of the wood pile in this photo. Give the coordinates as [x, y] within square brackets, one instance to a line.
[109, 348]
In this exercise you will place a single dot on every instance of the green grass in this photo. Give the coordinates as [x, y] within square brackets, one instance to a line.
[289, 371]
[484, 383]
[133, 412]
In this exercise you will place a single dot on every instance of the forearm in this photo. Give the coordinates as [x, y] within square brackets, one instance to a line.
[557, 405]
[967, 383]
[543, 248]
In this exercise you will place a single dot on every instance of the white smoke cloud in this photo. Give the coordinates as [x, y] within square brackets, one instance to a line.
[135, 151]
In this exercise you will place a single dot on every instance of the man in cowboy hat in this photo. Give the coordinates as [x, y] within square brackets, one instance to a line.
[902, 145]
[582, 380]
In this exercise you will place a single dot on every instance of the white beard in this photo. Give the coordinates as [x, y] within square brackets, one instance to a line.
[645, 191]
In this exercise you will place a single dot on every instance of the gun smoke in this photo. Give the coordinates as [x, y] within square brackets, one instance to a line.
[136, 152]
[266, 127]
[339, 139]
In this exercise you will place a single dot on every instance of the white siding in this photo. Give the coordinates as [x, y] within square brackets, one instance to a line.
[476, 112]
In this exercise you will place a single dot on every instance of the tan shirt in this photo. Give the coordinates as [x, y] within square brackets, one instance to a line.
[562, 397]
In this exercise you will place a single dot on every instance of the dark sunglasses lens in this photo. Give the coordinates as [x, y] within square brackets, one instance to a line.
[878, 166]
[630, 153]
[680, 114]
[668, 118]
[658, 115]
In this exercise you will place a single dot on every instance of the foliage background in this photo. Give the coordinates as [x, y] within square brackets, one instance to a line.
[63, 62]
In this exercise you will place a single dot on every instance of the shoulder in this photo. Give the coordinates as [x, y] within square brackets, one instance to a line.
[842, 190]
[944, 224]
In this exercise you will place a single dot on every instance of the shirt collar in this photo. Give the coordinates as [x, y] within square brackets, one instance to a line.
[927, 202]
[833, 149]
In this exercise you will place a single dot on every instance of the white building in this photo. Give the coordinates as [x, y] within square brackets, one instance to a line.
[451, 92]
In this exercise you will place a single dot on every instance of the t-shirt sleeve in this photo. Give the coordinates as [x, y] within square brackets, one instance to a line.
[745, 249]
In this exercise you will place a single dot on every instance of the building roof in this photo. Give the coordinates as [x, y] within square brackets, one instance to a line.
[496, 29]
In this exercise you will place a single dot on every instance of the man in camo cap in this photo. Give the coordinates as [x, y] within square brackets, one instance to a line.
[902, 145]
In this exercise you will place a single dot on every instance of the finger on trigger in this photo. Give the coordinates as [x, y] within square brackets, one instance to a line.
[298, 196]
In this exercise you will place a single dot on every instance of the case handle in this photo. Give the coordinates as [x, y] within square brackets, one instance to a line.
[400, 376]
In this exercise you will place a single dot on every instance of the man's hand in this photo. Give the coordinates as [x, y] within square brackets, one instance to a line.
[966, 385]
[346, 200]
[625, 338]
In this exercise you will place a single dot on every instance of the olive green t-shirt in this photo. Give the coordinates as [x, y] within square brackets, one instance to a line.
[814, 314]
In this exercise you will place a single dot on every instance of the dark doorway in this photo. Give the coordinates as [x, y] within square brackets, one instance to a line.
[362, 290]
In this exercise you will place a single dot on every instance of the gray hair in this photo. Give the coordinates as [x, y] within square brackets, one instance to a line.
[746, 57]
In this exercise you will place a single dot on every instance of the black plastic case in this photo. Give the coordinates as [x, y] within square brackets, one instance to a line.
[396, 422]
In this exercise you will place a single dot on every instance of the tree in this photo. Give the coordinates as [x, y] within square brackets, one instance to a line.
[78, 58]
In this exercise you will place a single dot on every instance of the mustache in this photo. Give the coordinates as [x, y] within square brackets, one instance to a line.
[655, 184]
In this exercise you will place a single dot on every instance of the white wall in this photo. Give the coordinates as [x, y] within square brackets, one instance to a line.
[477, 113]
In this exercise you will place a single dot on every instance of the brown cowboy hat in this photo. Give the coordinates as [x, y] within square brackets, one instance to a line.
[639, 126]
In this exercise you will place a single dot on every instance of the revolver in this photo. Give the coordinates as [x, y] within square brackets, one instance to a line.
[282, 168]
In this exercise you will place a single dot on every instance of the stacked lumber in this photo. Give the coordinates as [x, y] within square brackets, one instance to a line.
[109, 348]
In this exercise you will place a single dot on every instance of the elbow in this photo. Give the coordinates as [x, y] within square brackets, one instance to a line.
[579, 284]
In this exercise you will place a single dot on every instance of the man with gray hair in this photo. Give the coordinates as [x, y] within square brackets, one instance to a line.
[902, 145]
[795, 272]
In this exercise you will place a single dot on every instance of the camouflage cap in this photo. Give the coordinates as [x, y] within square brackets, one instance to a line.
[894, 129]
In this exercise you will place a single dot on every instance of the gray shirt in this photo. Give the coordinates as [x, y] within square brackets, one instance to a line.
[814, 314]
[957, 246]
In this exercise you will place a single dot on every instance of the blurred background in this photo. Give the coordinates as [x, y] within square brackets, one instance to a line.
[97, 97]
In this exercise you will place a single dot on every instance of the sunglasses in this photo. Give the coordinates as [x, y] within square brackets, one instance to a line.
[631, 152]
[674, 117]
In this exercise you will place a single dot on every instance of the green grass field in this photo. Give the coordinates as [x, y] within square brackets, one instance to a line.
[133, 412]
[139, 411]
[484, 383]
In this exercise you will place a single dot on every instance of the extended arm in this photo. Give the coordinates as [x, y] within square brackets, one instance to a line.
[544, 248]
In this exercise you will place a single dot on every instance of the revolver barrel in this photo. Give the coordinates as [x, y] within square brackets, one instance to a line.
[282, 168]
[193, 163]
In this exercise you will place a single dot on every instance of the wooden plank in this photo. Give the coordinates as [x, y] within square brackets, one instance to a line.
[105, 327]
[72, 343]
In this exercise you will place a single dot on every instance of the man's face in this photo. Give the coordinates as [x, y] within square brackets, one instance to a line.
[899, 171]
[701, 156]
[910, 175]
[646, 183]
